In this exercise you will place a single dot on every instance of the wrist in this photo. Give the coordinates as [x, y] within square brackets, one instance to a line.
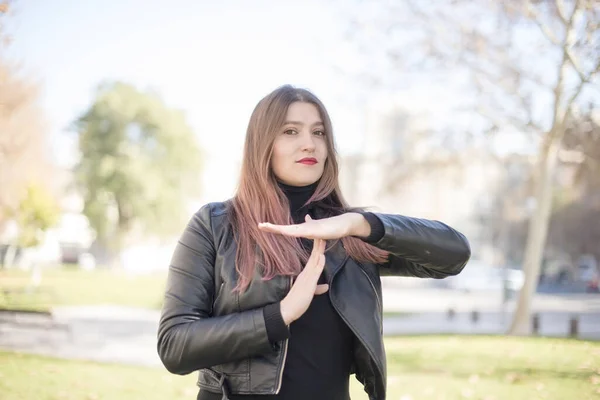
[360, 227]
[285, 314]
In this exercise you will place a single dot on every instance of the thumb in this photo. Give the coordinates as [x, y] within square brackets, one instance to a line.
[321, 289]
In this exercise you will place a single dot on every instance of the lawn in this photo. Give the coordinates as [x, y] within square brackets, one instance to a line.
[70, 286]
[431, 367]
[75, 287]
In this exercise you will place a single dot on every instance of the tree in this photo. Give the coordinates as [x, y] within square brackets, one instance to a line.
[22, 133]
[139, 163]
[36, 212]
[571, 229]
[525, 64]
[25, 170]
[582, 141]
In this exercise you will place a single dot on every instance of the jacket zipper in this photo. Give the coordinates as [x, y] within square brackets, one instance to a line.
[285, 348]
[280, 379]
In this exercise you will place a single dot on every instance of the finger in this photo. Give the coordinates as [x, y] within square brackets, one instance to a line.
[269, 227]
[321, 262]
[317, 267]
[321, 289]
[310, 263]
[307, 218]
[289, 230]
[316, 248]
[323, 244]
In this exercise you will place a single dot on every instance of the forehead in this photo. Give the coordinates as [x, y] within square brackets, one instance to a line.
[304, 113]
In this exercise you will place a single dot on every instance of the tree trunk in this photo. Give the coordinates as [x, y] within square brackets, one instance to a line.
[538, 231]
[9, 256]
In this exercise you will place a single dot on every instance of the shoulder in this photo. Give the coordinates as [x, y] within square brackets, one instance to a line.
[214, 212]
[216, 208]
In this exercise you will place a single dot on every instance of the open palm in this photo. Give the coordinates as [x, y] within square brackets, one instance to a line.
[326, 228]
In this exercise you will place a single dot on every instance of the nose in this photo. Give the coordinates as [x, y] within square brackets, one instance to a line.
[308, 142]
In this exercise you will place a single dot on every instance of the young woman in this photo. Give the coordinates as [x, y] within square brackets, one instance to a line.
[276, 293]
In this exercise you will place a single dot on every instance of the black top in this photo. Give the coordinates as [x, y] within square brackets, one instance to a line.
[319, 354]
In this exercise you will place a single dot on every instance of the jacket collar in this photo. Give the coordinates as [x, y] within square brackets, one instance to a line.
[335, 259]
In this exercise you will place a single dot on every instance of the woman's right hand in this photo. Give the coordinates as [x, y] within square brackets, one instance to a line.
[305, 287]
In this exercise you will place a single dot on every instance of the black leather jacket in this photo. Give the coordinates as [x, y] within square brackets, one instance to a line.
[206, 327]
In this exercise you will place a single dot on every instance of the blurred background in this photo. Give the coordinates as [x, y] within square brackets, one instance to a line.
[118, 120]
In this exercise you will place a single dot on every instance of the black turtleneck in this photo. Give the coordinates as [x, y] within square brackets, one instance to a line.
[319, 353]
[297, 197]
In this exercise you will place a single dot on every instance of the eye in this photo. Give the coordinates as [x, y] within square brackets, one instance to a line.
[319, 133]
[290, 132]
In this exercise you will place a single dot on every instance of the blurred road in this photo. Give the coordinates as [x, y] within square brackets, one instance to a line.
[418, 295]
[126, 335]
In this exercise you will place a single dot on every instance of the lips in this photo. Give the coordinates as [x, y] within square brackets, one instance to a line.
[308, 161]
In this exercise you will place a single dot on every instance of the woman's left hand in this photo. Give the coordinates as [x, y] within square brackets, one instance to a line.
[349, 224]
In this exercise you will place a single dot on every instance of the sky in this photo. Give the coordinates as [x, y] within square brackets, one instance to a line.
[212, 59]
[215, 60]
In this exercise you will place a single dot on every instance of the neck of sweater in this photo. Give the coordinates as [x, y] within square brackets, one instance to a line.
[297, 196]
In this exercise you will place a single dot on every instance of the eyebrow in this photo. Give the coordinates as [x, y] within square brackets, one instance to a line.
[300, 123]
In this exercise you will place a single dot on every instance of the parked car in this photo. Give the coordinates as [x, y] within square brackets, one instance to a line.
[478, 276]
[587, 272]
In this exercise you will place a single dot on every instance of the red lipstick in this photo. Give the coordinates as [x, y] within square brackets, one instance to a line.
[308, 161]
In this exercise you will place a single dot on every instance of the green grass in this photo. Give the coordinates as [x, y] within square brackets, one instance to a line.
[396, 314]
[27, 377]
[456, 367]
[69, 287]
[432, 367]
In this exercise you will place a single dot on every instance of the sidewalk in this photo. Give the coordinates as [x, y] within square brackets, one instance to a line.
[128, 335]
[552, 324]
[104, 333]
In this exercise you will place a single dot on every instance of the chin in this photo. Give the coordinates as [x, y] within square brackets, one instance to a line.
[302, 182]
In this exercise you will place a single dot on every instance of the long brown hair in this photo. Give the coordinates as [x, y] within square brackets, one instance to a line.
[260, 199]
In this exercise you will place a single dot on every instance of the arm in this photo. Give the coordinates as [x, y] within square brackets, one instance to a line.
[189, 338]
[418, 247]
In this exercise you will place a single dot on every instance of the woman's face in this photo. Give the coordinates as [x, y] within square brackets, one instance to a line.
[300, 148]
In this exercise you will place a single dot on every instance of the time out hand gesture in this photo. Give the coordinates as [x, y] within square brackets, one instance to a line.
[349, 224]
[305, 286]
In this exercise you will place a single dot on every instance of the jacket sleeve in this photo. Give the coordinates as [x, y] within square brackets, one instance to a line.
[189, 338]
[421, 248]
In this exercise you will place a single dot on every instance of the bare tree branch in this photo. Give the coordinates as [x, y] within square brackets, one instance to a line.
[581, 85]
[575, 64]
[577, 9]
[562, 13]
[480, 37]
[534, 16]
[570, 39]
